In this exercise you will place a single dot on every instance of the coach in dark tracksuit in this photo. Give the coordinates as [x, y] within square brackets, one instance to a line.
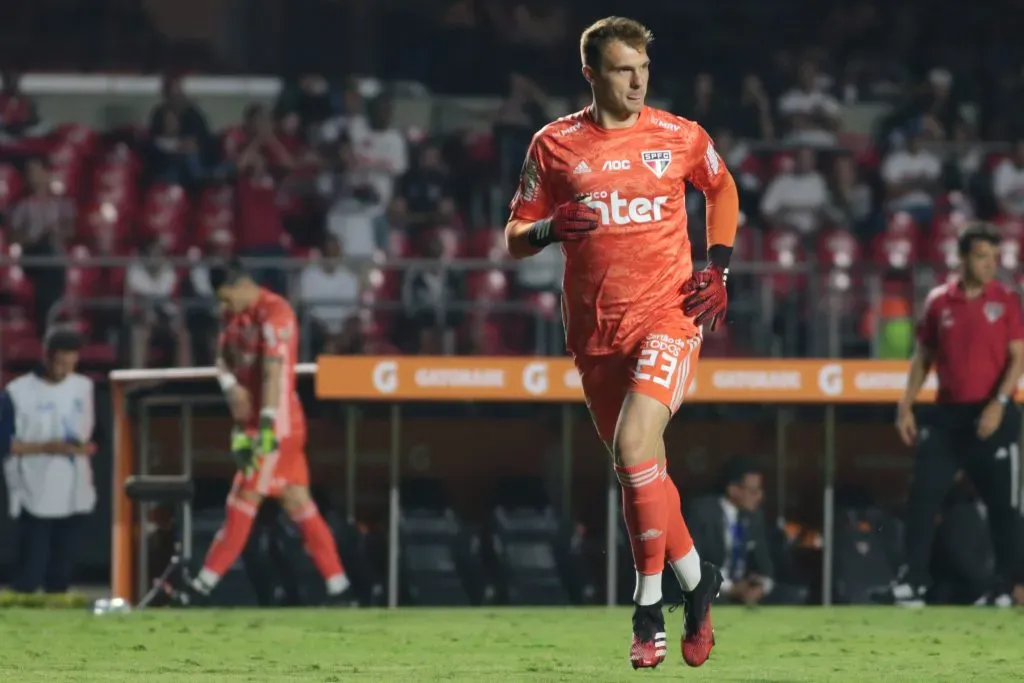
[971, 333]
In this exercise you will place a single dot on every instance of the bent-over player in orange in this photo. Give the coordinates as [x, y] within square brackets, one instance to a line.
[258, 351]
[608, 184]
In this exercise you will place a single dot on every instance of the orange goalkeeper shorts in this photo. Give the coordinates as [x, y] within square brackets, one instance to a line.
[661, 365]
[277, 471]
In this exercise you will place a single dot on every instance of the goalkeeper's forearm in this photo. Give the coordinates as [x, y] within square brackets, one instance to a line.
[225, 377]
[526, 238]
[272, 370]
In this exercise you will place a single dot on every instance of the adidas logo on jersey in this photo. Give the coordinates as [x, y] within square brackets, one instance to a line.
[581, 167]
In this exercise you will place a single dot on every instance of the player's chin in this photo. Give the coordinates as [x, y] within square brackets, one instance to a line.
[634, 104]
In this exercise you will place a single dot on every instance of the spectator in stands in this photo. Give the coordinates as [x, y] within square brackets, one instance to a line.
[543, 273]
[851, 196]
[43, 223]
[797, 198]
[350, 120]
[430, 294]
[911, 177]
[311, 100]
[150, 285]
[18, 115]
[259, 229]
[522, 113]
[1008, 182]
[46, 435]
[381, 153]
[329, 292]
[351, 200]
[729, 530]
[191, 121]
[425, 185]
[705, 104]
[257, 137]
[202, 320]
[171, 155]
[745, 167]
[392, 228]
[753, 118]
[810, 113]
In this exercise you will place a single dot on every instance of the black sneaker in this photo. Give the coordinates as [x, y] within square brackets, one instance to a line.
[346, 598]
[184, 591]
[698, 631]
[647, 649]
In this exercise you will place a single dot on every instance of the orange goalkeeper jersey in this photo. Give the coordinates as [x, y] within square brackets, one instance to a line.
[267, 328]
[623, 275]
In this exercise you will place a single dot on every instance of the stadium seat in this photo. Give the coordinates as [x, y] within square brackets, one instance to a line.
[897, 246]
[782, 248]
[441, 560]
[487, 244]
[16, 289]
[11, 186]
[539, 558]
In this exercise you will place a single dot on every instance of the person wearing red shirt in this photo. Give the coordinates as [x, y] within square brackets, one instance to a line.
[256, 366]
[971, 333]
[608, 185]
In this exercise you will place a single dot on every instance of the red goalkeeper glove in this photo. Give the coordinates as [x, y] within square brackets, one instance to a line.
[571, 222]
[706, 294]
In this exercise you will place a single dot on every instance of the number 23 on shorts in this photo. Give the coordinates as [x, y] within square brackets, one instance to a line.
[664, 368]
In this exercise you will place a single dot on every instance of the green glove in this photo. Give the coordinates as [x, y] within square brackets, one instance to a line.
[243, 451]
[266, 438]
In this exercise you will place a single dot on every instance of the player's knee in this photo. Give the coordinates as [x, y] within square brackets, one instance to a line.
[639, 430]
[250, 497]
[295, 498]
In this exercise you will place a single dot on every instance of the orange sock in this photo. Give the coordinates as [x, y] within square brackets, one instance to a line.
[319, 542]
[643, 506]
[678, 541]
[229, 542]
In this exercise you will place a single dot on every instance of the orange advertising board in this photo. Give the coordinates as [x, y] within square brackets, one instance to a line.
[500, 379]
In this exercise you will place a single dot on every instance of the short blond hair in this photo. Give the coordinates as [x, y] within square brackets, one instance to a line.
[607, 30]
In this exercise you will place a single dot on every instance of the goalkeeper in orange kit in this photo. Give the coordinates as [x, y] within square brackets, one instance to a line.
[256, 368]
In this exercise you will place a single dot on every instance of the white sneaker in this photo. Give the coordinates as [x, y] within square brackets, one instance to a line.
[905, 595]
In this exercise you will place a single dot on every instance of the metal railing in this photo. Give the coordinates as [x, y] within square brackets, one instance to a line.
[775, 310]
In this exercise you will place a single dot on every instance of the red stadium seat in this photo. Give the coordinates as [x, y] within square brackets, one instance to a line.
[948, 223]
[19, 342]
[838, 249]
[490, 285]
[11, 186]
[80, 280]
[13, 284]
[217, 198]
[488, 243]
[897, 247]
[782, 248]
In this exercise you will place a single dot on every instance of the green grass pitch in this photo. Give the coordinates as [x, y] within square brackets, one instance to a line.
[848, 645]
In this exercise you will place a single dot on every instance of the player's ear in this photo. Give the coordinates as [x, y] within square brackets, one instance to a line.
[588, 74]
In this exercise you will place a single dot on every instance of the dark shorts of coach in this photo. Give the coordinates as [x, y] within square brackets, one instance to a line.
[47, 552]
[947, 444]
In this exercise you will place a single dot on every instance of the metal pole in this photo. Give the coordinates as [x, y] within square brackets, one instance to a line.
[187, 429]
[394, 506]
[350, 463]
[566, 461]
[611, 563]
[828, 506]
[142, 558]
[781, 422]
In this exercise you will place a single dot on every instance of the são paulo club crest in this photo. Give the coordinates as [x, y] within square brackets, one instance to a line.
[657, 161]
[993, 311]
